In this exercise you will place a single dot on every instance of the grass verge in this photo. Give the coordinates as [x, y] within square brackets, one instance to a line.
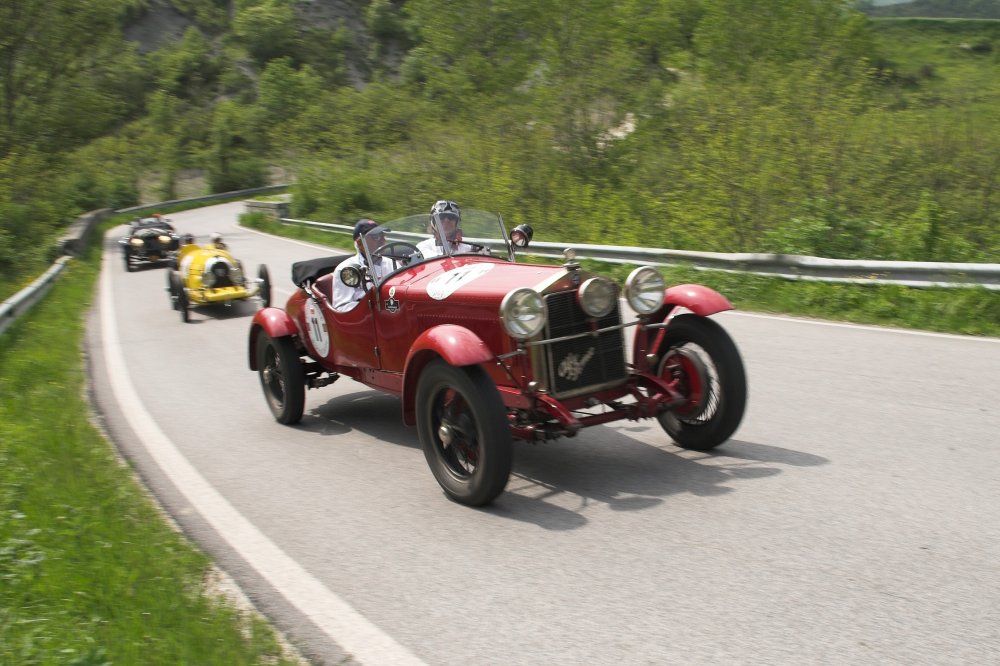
[90, 573]
[970, 311]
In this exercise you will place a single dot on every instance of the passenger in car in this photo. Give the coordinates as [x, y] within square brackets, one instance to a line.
[345, 297]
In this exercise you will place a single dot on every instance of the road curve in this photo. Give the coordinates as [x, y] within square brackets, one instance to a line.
[853, 519]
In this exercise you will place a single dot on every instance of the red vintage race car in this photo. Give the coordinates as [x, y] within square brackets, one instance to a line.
[483, 350]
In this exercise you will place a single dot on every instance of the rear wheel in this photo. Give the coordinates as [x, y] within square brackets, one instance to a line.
[265, 285]
[282, 378]
[172, 289]
[184, 306]
[701, 361]
[178, 297]
[463, 428]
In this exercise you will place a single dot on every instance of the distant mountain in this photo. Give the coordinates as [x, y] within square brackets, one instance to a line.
[975, 9]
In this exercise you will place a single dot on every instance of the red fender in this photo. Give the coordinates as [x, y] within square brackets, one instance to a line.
[697, 298]
[273, 321]
[457, 345]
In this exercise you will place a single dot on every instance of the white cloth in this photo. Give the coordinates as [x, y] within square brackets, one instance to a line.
[346, 298]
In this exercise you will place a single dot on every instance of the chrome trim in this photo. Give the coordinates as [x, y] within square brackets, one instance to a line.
[555, 282]
[588, 334]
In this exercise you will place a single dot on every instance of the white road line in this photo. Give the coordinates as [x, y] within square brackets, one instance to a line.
[867, 327]
[338, 620]
[315, 246]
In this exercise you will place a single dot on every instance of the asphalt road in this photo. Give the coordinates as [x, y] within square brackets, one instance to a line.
[853, 519]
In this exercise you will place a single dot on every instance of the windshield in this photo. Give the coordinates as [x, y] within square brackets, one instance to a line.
[415, 239]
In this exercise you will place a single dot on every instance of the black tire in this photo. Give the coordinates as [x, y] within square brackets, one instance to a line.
[173, 287]
[265, 285]
[697, 351]
[128, 262]
[463, 405]
[282, 377]
[183, 305]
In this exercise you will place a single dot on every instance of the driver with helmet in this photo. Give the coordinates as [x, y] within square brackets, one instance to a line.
[345, 297]
[215, 241]
[446, 216]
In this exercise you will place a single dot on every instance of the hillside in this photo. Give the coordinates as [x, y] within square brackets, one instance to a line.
[803, 129]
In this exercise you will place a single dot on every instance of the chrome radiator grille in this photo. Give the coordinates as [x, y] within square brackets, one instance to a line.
[585, 363]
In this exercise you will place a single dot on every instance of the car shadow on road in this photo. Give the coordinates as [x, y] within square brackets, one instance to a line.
[552, 484]
[610, 467]
[148, 266]
[221, 311]
[367, 411]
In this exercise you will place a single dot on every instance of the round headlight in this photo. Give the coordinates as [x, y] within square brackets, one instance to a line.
[136, 241]
[351, 276]
[523, 313]
[644, 290]
[597, 296]
[164, 239]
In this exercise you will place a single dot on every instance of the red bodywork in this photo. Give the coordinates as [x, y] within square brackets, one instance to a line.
[449, 308]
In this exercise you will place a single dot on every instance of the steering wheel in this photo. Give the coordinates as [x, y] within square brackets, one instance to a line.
[405, 253]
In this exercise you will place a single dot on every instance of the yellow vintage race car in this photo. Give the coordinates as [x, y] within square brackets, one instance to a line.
[205, 274]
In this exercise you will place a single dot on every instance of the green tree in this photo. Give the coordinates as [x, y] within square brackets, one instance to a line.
[186, 69]
[734, 35]
[267, 29]
[233, 162]
[49, 48]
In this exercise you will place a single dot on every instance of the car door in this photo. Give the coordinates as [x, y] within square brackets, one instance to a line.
[353, 334]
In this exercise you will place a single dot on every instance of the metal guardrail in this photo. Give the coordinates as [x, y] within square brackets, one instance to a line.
[74, 241]
[22, 301]
[205, 199]
[785, 266]
[921, 274]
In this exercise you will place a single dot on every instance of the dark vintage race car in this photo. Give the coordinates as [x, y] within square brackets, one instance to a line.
[482, 350]
[149, 240]
[210, 274]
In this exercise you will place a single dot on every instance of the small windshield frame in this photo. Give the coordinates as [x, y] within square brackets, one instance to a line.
[480, 229]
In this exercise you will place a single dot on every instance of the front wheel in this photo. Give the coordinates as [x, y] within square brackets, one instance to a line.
[702, 362]
[282, 378]
[463, 429]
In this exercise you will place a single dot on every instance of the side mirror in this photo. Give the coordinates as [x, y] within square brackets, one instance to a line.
[521, 235]
[351, 276]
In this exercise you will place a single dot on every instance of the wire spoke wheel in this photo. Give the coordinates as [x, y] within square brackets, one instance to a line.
[282, 378]
[457, 438]
[464, 433]
[703, 364]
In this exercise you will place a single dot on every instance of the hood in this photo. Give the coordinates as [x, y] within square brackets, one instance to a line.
[472, 280]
